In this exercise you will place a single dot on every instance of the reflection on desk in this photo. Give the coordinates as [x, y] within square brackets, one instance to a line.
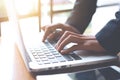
[107, 73]
[89, 75]
[54, 77]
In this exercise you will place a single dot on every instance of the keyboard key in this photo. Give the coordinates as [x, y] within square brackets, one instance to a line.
[36, 57]
[53, 60]
[61, 59]
[47, 54]
[66, 56]
[56, 53]
[46, 62]
[76, 57]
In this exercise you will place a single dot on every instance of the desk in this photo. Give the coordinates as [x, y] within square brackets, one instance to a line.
[13, 67]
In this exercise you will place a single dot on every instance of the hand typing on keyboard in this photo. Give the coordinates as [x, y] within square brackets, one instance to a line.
[69, 34]
[51, 31]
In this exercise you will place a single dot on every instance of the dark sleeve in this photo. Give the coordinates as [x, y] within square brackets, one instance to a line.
[109, 36]
[81, 14]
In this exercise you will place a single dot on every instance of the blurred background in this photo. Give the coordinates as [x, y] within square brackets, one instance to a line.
[35, 13]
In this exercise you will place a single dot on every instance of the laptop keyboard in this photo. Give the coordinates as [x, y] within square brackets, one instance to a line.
[47, 54]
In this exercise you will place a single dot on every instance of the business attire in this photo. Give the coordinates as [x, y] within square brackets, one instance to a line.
[81, 16]
[108, 37]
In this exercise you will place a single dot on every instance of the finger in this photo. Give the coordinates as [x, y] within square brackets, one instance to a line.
[50, 29]
[46, 34]
[43, 28]
[67, 40]
[55, 35]
[61, 39]
[66, 34]
[70, 39]
[63, 44]
[58, 35]
[60, 26]
[51, 36]
[66, 51]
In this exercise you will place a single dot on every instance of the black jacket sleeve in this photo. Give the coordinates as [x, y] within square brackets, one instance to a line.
[81, 14]
[109, 35]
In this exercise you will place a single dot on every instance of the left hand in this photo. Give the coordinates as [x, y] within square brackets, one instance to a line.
[51, 31]
[83, 43]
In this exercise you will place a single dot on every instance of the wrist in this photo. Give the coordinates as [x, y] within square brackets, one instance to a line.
[72, 28]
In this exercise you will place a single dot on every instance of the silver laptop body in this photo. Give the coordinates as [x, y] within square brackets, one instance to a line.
[81, 60]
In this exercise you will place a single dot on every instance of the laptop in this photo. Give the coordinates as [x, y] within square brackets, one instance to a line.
[43, 58]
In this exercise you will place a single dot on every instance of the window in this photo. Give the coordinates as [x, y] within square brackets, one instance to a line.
[58, 8]
[3, 14]
[53, 11]
[26, 10]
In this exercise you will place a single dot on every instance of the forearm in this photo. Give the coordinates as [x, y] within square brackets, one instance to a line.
[81, 14]
[109, 36]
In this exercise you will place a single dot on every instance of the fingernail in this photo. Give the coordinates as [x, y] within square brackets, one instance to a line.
[62, 52]
[43, 40]
[56, 46]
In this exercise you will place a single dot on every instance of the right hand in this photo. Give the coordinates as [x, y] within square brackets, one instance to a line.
[50, 30]
[82, 42]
